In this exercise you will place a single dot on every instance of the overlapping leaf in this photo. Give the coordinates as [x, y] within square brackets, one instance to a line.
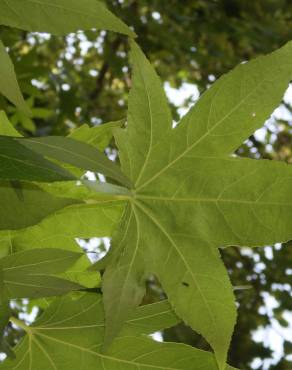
[191, 197]
[6, 128]
[95, 219]
[59, 230]
[70, 334]
[76, 153]
[24, 204]
[97, 136]
[60, 17]
[20, 163]
[30, 274]
[8, 82]
[22, 159]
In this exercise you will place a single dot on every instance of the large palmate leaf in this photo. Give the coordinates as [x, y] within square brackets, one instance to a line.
[191, 197]
[60, 17]
[20, 163]
[30, 274]
[70, 334]
[76, 153]
[8, 82]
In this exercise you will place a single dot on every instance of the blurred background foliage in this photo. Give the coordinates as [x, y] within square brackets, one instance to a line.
[85, 78]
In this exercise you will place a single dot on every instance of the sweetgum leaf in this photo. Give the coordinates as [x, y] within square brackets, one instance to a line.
[60, 230]
[60, 17]
[76, 153]
[69, 335]
[8, 82]
[97, 136]
[6, 128]
[191, 197]
[20, 163]
[29, 209]
[29, 274]
[24, 204]
[150, 318]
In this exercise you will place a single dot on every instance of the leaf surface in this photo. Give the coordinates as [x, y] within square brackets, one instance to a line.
[24, 204]
[60, 229]
[70, 334]
[76, 153]
[20, 163]
[29, 209]
[97, 136]
[6, 128]
[29, 274]
[191, 196]
[150, 318]
[8, 82]
[49, 15]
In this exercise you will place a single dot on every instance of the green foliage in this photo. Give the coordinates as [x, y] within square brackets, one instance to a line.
[71, 332]
[29, 274]
[49, 16]
[186, 171]
[186, 195]
[6, 129]
[8, 82]
[25, 204]
[75, 153]
[20, 163]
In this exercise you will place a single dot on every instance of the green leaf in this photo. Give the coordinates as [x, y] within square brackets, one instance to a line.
[8, 82]
[191, 197]
[69, 335]
[149, 319]
[124, 278]
[97, 136]
[89, 191]
[60, 231]
[61, 228]
[20, 163]
[29, 274]
[49, 15]
[77, 153]
[6, 128]
[24, 204]
[31, 207]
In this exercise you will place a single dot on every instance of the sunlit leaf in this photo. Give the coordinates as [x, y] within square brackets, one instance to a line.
[20, 163]
[6, 128]
[31, 207]
[191, 197]
[8, 82]
[70, 333]
[60, 17]
[76, 153]
[30, 274]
